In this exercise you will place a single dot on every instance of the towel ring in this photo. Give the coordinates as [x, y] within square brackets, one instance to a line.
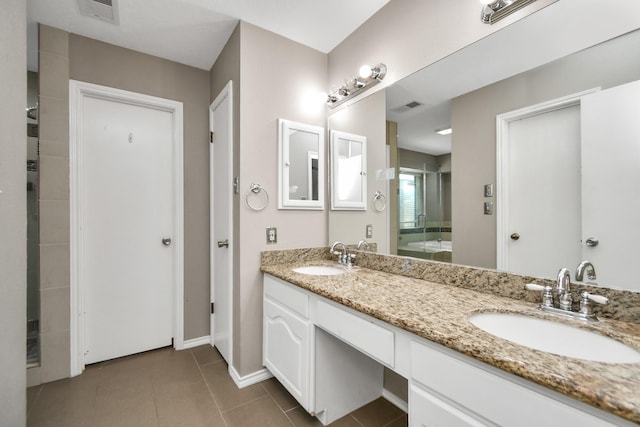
[379, 202]
[256, 189]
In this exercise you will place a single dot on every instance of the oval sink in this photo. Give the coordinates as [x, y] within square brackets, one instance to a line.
[555, 337]
[320, 270]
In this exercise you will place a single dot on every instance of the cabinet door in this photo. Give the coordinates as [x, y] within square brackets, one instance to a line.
[286, 352]
[427, 410]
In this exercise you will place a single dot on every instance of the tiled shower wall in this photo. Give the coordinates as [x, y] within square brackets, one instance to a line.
[54, 206]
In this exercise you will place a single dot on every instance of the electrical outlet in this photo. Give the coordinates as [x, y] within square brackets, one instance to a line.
[369, 232]
[272, 235]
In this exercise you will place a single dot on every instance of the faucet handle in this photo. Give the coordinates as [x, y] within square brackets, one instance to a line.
[596, 298]
[547, 296]
[585, 303]
[535, 287]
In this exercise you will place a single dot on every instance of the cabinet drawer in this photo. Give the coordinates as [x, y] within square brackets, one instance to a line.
[494, 397]
[428, 410]
[364, 335]
[287, 295]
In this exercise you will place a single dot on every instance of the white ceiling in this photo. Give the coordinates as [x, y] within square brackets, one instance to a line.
[193, 32]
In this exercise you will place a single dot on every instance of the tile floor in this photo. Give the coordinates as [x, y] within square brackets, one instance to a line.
[189, 388]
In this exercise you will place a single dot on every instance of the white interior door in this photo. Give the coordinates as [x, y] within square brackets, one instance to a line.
[611, 182]
[221, 164]
[543, 225]
[127, 202]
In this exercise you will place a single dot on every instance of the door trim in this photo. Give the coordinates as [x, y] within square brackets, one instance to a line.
[225, 94]
[78, 91]
[502, 164]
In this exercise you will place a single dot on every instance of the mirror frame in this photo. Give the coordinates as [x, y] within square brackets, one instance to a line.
[337, 204]
[284, 144]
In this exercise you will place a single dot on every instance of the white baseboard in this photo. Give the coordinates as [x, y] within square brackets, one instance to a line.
[250, 379]
[400, 403]
[196, 342]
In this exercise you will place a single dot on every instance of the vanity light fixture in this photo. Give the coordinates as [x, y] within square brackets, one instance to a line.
[367, 77]
[446, 131]
[495, 10]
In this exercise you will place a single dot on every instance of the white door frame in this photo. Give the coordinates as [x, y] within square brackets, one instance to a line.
[502, 164]
[225, 95]
[78, 91]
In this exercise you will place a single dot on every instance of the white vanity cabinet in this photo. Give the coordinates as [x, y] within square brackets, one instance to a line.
[447, 388]
[331, 359]
[287, 338]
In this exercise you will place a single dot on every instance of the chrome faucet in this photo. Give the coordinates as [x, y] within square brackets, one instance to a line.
[563, 291]
[344, 257]
[589, 268]
[562, 287]
[363, 243]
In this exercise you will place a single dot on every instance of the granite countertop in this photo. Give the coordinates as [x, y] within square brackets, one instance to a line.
[440, 313]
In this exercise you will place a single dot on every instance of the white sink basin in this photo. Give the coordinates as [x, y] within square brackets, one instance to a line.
[555, 337]
[320, 270]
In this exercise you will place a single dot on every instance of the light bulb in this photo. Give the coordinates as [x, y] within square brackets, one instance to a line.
[365, 71]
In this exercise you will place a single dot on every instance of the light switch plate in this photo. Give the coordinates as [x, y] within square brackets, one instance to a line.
[488, 190]
[369, 232]
[272, 235]
[488, 208]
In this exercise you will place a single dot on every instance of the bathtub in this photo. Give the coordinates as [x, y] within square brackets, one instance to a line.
[431, 246]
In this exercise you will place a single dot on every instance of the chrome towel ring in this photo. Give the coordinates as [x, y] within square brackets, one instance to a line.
[379, 202]
[256, 189]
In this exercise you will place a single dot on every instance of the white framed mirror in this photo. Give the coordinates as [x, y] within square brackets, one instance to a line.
[348, 171]
[300, 166]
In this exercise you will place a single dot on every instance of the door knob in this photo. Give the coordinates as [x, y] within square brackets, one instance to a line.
[591, 241]
[515, 236]
[166, 241]
[223, 243]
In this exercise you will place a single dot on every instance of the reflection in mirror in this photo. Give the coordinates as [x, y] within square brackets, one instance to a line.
[301, 166]
[33, 247]
[433, 99]
[348, 171]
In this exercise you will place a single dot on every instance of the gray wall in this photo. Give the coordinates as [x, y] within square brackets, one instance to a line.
[104, 64]
[225, 69]
[13, 227]
[473, 116]
[64, 56]
[279, 79]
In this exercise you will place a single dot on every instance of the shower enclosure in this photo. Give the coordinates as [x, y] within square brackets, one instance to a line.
[33, 240]
[424, 214]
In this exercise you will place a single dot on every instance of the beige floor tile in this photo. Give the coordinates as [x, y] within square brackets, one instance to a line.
[377, 413]
[280, 394]
[206, 354]
[68, 402]
[187, 405]
[262, 412]
[32, 396]
[301, 418]
[130, 412]
[402, 421]
[225, 391]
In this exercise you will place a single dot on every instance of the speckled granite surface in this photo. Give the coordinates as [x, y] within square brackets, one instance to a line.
[407, 296]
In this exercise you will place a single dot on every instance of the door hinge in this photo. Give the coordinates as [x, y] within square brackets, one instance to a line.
[211, 136]
[212, 310]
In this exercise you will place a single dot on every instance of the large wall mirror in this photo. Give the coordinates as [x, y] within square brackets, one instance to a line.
[301, 166]
[444, 181]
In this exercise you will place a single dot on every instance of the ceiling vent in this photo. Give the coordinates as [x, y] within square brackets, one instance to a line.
[104, 10]
[406, 107]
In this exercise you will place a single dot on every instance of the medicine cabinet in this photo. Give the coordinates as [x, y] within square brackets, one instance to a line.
[301, 166]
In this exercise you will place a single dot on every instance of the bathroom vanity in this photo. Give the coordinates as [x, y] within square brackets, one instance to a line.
[328, 338]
